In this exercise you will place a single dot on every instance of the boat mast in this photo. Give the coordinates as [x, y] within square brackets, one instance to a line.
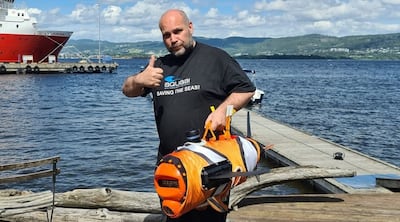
[98, 11]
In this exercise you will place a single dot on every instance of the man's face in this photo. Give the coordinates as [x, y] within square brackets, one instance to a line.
[177, 34]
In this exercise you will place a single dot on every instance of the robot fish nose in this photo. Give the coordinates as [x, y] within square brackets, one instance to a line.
[169, 182]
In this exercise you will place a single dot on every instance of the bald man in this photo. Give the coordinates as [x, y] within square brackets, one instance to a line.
[184, 85]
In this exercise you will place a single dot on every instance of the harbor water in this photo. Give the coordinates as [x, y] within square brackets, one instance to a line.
[105, 139]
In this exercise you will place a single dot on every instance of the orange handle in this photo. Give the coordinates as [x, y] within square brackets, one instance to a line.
[208, 129]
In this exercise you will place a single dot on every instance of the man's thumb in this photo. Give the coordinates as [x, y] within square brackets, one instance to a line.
[152, 61]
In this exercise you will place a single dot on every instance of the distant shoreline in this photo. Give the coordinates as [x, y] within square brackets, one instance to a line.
[286, 57]
[246, 57]
[259, 57]
[277, 57]
[313, 46]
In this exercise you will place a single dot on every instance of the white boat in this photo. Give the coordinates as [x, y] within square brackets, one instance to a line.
[257, 97]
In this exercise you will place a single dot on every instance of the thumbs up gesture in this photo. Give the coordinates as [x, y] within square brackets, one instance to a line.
[151, 76]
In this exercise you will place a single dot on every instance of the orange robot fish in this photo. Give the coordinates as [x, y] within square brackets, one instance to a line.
[200, 172]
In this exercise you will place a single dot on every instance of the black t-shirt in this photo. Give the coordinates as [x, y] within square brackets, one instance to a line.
[191, 84]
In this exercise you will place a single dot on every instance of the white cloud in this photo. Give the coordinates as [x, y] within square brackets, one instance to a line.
[394, 2]
[323, 25]
[212, 13]
[280, 5]
[254, 20]
[84, 14]
[112, 14]
[34, 11]
[113, 2]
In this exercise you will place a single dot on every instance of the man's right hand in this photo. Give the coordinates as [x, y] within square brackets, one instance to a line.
[151, 76]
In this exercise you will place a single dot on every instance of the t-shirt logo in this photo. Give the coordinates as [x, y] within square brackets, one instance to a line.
[170, 78]
[173, 82]
[174, 85]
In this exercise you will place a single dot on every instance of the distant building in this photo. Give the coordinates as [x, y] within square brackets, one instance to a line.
[339, 50]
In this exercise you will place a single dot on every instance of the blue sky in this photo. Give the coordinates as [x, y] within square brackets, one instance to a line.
[131, 21]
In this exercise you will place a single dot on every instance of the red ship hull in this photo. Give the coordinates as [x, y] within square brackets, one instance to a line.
[14, 46]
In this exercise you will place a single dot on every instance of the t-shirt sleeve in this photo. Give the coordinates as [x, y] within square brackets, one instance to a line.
[146, 92]
[235, 79]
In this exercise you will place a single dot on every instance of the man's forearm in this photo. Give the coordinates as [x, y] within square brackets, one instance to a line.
[131, 88]
[238, 100]
[218, 117]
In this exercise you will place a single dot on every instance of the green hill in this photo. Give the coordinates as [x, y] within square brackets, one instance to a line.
[385, 46]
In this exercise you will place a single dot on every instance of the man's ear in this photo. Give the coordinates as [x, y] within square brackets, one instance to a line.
[191, 28]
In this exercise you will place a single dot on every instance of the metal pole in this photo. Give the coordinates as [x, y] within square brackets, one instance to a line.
[99, 14]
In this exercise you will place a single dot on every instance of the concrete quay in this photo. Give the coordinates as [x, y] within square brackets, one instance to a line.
[57, 67]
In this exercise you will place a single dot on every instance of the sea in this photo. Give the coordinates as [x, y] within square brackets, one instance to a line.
[105, 139]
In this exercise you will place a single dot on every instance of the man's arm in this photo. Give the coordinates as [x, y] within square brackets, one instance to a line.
[132, 87]
[238, 100]
[150, 77]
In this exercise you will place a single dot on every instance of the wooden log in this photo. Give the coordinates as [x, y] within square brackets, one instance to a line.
[12, 205]
[117, 200]
[85, 215]
[282, 175]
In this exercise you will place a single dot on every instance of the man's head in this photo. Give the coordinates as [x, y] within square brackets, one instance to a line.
[176, 30]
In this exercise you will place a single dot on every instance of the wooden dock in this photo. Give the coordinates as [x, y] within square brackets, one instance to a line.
[57, 67]
[292, 147]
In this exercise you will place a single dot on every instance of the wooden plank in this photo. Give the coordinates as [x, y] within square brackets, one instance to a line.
[29, 176]
[29, 164]
[319, 207]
